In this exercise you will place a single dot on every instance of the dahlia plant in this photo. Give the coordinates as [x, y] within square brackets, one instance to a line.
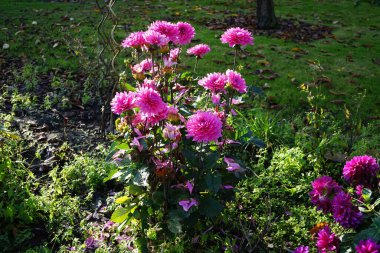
[174, 132]
[358, 213]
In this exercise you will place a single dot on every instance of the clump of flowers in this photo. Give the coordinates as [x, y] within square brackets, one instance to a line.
[327, 241]
[172, 153]
[361, 170]
[368, 246]
[301, 249]
[324, 190]
[344, 212]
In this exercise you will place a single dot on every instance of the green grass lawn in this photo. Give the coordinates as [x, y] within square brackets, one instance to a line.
[347, 60]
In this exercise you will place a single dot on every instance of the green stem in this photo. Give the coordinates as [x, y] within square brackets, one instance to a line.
[196, 63]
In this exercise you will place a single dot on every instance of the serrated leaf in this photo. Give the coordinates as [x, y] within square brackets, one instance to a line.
[373, 232]
[210, 160]
[135, 190]
[191, 157]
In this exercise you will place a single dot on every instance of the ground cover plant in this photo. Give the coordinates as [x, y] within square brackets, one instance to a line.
[294, 167]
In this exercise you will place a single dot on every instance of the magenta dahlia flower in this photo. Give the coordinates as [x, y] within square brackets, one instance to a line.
[149, 101]
[327, 241]
[123, 101]
[235, 81]
[368, 246]
[324, 190]
[135, 40]
[155, 118]
[186, 33]
[199, 50]
[344, 212]
[204, 127]
[214, 82]
[301, 249]
[153, 38]
[168, 29]
[361, 170]
[237, 36]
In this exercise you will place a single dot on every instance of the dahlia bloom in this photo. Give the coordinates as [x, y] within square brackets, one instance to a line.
[153, 38]
[361, 170]
[368, 246]
[359, 191]
[186, 33]
[301, 249]
[168, 29]
[152, 119]
[135, 40]
[148, 83]
[215, 98]
[232, 165]
[324, 190]
[172, 132]
[188, 203]
[344, 212]
[149, 101]
[237, 36]
[174, 54]
[327, 241]
[122, 102]
[214, 82]
[199, 50]
[235, 80]
[204, 127]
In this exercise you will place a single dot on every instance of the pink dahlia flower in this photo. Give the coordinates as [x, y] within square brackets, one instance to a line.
[204, 127]
[237, 36]
[188, 203]
[344, 212]
[199, 50]
[168, 29]
[174, 54]
[214, 82]
[149, 101]
[155, 118]
[327, 241]
[232, 165]
[368, 246]
[361, 170]
[135, 40]
[153, 38]
[149, 84]
[324, 190]
[186, 33]
[301, 249]
[172, 132]
[123, 101]
[235, 80]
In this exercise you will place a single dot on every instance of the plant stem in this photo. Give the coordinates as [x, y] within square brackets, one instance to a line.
[196, 63]
[236, 50]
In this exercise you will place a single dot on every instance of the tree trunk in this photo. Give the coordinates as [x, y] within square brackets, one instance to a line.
[266, 18]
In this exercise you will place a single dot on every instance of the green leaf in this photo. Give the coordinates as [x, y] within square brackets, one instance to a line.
[120, 215]
[373, 232]
[211, 160]
[129, 87]
[377, 202]
[135, 190]
[366, 193]
[174, 225]
[140, 177]
[121, 200]
[142, 245]
[191, 158]
[210, 207]
[122, 146]
[213, 182]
